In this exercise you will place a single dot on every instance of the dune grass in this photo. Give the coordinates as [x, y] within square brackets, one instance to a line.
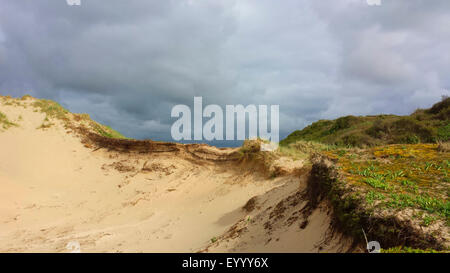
[54, 110]
[51, 109]
[106, 131]
[5, 123]
[303, 149]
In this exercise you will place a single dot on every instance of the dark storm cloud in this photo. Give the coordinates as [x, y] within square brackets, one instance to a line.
[393, 57]
[128, 62]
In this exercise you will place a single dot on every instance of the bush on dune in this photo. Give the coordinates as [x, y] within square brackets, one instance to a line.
[423, 126]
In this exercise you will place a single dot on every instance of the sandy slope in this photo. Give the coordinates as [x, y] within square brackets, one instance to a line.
[280, 220]
[54, 191]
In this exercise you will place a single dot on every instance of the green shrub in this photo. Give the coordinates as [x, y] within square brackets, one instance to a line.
[443, 132]
[440, 106]
[423, 126]
[357, 140]
[344, 123]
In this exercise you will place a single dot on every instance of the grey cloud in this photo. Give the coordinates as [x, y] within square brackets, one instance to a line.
[128, 62]
[392, 56]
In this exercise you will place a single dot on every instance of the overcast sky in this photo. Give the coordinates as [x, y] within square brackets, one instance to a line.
[126, 63]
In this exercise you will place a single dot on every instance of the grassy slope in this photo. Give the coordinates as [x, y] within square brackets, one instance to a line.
[423, 126]
[400, 172]
[410, 181]
[401, 176]
[53, 111]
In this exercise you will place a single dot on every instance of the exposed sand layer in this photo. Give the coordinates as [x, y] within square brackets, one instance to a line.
[280, 220]
[56, 190]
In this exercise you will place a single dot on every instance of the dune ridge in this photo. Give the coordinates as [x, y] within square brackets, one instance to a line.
[63, 182]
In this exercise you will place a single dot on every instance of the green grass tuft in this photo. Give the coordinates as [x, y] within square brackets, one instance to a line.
[106, 131]
[405, 249]
[51, 109]
[5, 123]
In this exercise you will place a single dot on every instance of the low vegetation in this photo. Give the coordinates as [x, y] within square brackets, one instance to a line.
[5, 123]
[250, 152]
[105, 131]
[385, 174]
[405, 249]
[401, 176]
[98, 128]
[45, 124]
[423, 126]
[397, 193]
[51, 109]
[53, 112]
[303, 149]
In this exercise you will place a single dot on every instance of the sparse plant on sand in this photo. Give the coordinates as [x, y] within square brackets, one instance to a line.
[5, 123]
[106, 131]
[56, 111]
[45, 125]
[302, 149]
[51, 109]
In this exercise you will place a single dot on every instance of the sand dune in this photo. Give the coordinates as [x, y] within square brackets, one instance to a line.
[281, 221]
[57, 189]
